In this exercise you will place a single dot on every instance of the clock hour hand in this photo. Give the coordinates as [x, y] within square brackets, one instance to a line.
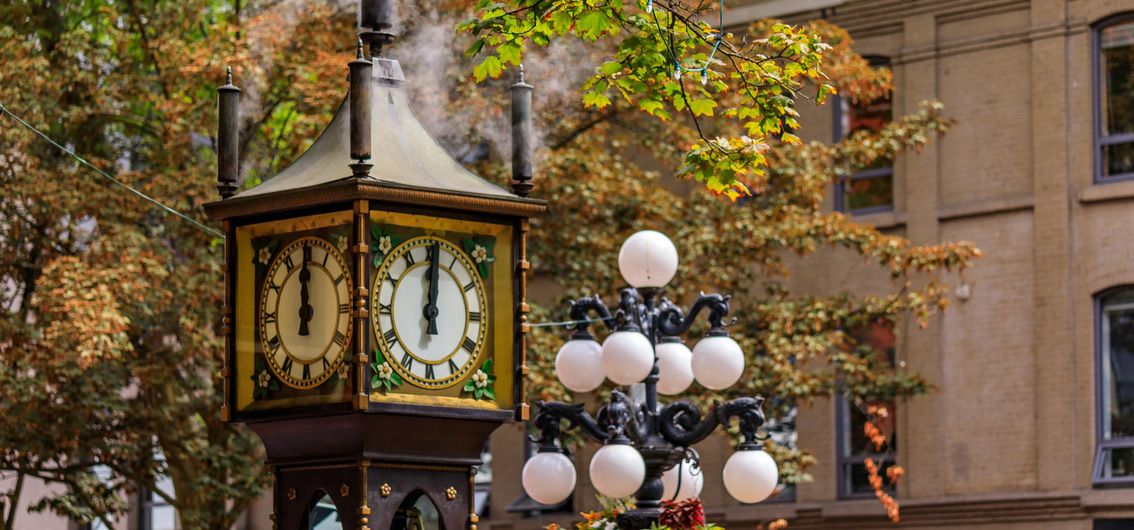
[431, 310]
[305, 309]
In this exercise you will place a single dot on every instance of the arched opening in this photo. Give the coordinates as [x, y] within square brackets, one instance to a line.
[417, 512]
[322, 514]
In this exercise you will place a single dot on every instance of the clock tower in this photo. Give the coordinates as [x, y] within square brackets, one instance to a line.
[374, 307]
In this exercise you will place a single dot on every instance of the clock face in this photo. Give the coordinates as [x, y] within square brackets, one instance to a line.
[304, 319]
[429, 311]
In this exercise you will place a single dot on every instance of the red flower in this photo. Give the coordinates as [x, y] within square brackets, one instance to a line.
[682, 515]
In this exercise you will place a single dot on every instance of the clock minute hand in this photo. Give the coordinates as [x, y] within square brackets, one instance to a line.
[305, 309]
[431, 310]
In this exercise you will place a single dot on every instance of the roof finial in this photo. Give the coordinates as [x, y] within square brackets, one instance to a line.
[228, 136]
[376, 23]
[359, 56]
[522, 138]
[228, 75]
[521, 73]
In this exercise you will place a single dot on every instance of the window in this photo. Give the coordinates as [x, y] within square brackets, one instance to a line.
[1114, 98]
[156, 513]
[1114, 460]
[853, 447]
[871, 189]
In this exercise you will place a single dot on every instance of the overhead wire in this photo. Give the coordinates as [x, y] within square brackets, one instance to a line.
[207, 229]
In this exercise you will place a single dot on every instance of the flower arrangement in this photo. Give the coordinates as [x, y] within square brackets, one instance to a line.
[687, 514]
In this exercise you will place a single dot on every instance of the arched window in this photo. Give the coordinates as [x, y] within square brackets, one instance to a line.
[1114, 339]
[322, 514]
[1114, 98]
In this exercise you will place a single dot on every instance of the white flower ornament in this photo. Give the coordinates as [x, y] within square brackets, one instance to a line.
[384, 244]
[265, 255]
[480, 378]
[341, 242]
[384, 371]
[480, 254]
[264, 379]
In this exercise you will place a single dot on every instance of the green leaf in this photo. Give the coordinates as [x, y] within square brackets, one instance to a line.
[487, 366]
[509, 53]
[470, 386]
[702, 107]
[489, 393]
[395, 379]
[375, 382]
[592, 25]
[489, 67]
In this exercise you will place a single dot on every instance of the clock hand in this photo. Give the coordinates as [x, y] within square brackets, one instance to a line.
[431, 310]
[305, 309]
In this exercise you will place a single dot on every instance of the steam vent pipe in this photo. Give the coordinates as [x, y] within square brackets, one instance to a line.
[228, 137]
[521, 136]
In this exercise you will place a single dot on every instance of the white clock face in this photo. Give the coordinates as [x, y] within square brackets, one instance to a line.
[304, 319]
[428, 310]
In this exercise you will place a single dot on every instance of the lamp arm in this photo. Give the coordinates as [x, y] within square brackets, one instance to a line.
[681, 423]
[549, 421]
[673, 322]
[580, 308]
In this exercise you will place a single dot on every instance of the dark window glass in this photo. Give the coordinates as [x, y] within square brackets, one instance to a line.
[871, 189]
[1116, 99]
[1114, 461]
[1114, 524]
[854, 447]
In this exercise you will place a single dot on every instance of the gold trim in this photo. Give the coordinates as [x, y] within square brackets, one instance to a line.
[442, 401]
[315, 468]
[417, 467]
[385, 490]
[344, 490]
[291, 494]
[353, 190]
[451, 493]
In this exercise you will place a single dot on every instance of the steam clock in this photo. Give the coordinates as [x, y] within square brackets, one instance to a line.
[374, 314]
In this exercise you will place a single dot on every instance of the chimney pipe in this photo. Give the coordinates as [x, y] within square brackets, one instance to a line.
[360, 90]
[376, 24]
[228, 137]
[521, 136]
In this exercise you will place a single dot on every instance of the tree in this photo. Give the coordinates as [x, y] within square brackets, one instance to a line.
[108, 354]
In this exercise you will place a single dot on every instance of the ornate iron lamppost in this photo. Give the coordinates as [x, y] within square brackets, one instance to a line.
[646, 446]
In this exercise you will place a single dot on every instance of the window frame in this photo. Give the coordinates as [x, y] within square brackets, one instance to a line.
[1102, 140]
[845, 461]
[875, 61]
[1102, 444]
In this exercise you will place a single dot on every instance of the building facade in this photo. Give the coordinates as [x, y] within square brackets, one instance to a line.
[1030, 425]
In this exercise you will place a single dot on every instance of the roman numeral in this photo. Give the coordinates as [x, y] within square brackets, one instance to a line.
[340, 339]
[269, 318]
[288, 262]
[275, 287]
[407, 361]
[383, 309]
[340, 278]
[390, 278]
[468, 345]
[408, 256]
[306, 372]
[326, 364]
[453, 263]
[390, 336]
[287, 363]
[474, 316]
[344, 308]
[326, 255]
[452, 367]
[429, 372]
[273, 344]
[469, 286]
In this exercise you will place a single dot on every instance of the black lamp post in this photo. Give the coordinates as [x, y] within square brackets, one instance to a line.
[643, 440]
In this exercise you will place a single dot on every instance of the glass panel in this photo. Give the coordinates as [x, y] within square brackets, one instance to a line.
[163, 517]
[856, 441]
[1116, 67]
[859, 480]
[417, 512]
[323, 515]
[868, 193]
[1118, 159]
[1118, 366]
[1118, 463]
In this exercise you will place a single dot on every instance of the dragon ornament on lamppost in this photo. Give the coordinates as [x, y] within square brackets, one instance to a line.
[646, 447]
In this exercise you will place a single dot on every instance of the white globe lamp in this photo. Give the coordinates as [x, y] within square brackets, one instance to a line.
[683, 481]
[579, 365]
[750, 475]
[717, 362]
[617, 470]
[675, 368]
[647, 259]
[549, 477]
[627, 357]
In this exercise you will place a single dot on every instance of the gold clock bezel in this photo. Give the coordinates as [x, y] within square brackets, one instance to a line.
[340, 356]
[482, 334]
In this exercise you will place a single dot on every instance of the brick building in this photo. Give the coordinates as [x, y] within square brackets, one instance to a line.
[1031, 425]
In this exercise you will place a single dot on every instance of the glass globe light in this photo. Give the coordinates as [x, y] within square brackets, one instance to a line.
[579, 365]
[627, 357]
[647, 259]
[750, 475]
[617, 470]
[688, 487]
[675, 368]
[717, 362]
[548, 477]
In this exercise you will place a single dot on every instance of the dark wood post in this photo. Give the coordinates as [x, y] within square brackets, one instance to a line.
[360, 89]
